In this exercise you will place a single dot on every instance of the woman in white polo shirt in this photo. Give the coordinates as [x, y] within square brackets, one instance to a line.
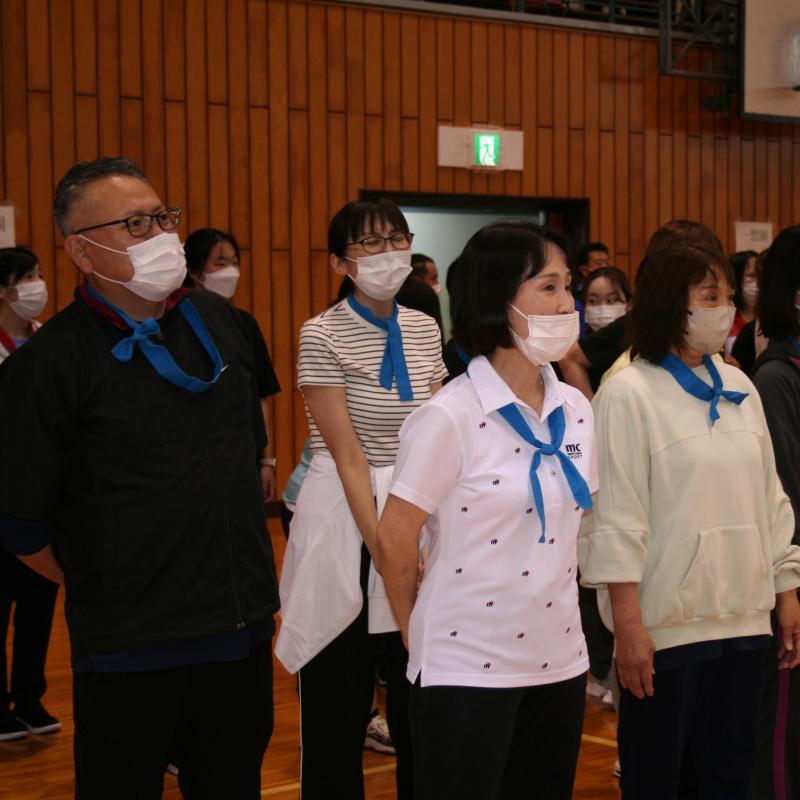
[365, 364]
[493, 474]
[690, 541]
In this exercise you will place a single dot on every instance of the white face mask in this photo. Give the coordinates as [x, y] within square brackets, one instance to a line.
[549, 337]
[381, 276]
[707, 328]
[437, 287]
[750, 291]
[31, 299]
[598, 317]
[159, 266]
[222, 281]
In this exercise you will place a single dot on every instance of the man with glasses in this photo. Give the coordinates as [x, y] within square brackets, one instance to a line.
[130, 473]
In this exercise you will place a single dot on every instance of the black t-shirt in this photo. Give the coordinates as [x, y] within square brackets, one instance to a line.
[151, 492]
[602, 348]
[744, 348]
[266, 380]
[419, 296]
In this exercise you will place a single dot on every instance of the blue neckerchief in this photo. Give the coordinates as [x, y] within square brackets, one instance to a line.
[463, 356]
[158, 355]
[557, 424]
[698, 388]
[394, 360]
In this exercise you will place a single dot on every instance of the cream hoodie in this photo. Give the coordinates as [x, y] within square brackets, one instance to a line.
[694, 514]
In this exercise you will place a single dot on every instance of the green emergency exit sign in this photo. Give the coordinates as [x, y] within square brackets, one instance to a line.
[487, 149]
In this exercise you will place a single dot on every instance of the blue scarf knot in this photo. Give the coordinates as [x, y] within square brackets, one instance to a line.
[394, 361]
[123, 350]
[159, 357]
[698, 388]
[557, 424]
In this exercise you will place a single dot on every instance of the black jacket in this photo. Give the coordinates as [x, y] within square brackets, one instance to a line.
[151, 493]
[777, 378]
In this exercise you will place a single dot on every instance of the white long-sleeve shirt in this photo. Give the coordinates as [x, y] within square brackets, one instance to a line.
[693, 513]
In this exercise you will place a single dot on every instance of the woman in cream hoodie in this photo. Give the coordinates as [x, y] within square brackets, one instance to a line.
[690, 538]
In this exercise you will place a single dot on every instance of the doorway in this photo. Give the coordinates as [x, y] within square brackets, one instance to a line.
[443, 223]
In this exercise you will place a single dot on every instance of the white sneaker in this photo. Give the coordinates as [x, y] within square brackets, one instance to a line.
[595, 688]
[378, 737]
[607, 698]
[617, 769]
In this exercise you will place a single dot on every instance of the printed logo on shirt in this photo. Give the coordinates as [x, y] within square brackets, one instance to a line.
[573, 451]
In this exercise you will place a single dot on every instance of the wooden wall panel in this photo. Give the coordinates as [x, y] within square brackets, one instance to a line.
[265, 116]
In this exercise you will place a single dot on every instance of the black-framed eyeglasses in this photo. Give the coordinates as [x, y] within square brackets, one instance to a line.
[375, 243]
[139, 225]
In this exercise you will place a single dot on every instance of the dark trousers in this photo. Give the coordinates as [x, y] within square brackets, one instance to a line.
[599, 639]
[216, 719]
[704, 715]
[34, 598]
[336, 690]
[475, 743]
[777, 772]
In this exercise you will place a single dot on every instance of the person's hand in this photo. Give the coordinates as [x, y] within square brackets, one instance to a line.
[787, 609]
[634, 658]
[268, 482]
[423, 563]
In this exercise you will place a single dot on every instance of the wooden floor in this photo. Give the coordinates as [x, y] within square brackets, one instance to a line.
[41, 766]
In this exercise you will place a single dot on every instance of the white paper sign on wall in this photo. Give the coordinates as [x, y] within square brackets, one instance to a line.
[7, 235]
[753, 236]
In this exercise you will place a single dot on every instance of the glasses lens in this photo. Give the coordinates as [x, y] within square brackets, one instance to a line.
[169, 218]
[374, 244]
[401, 241]
[139, 225]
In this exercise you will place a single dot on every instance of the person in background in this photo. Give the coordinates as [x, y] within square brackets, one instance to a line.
[364, 365]
[424, 269]
[23, 296]
[750, 342]
[776, 375]
[606, 295]
[212, 263]
[129, 473]
[493, 473]
[592, 256]
[420, 290]
[688, 569]
[745, 270]
[599, 350]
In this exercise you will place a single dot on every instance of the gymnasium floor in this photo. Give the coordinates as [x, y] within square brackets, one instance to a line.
[40, 767]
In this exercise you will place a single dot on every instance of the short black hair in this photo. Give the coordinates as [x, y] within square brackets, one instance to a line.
[419, 264]
[582, 256]
[739, 262]
[617, 277]
[493, 265]
[359, 217]
[780, 282]
[14, 263]
[657, 322]
[80, 175]
[198, 246]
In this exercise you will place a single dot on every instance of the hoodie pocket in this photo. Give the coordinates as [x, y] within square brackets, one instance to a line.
[729, 574]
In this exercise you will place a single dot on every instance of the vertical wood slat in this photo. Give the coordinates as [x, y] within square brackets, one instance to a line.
[265, 117]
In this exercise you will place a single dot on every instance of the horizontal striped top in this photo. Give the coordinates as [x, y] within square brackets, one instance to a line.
[340, 348]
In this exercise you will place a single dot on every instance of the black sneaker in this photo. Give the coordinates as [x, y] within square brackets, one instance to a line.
[34, 716]
[10, 727]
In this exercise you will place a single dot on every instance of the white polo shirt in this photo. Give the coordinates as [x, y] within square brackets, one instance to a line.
[496, 608]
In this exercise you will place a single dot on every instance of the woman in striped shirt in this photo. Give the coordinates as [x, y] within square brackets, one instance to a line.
[364, 365]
